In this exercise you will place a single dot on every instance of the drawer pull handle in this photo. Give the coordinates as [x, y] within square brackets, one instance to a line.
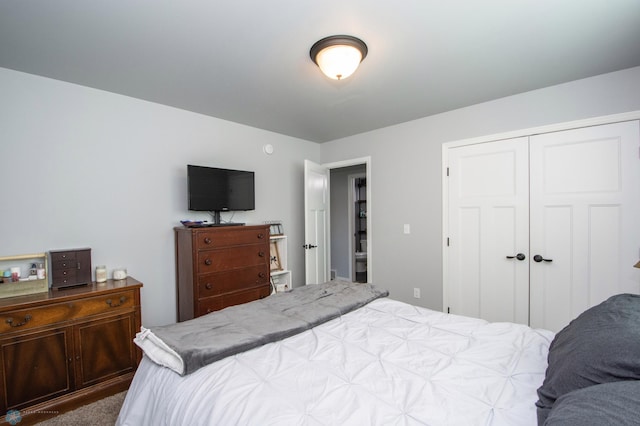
[260, 236]
[207, 240]
[262, 275]
[261, 253]
[27, 318]
[110, 302]
[208, 286]
[207, 261]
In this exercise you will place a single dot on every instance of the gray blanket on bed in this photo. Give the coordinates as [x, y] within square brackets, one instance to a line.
[220, 334]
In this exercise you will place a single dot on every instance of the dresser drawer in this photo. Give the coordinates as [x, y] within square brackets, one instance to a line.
[216, 303]
[62, 256]
[106, 303]
[65, 264]
[22, 319]
[63, 273]
[225, 282]
[63, 277]
[227, 237]
[232, 258]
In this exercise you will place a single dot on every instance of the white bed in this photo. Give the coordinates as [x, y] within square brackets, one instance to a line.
[386, 363]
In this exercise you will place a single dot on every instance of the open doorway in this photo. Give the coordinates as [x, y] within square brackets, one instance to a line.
[322, 225]
[348, 231]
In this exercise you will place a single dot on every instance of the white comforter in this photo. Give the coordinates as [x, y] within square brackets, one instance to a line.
[386, 363]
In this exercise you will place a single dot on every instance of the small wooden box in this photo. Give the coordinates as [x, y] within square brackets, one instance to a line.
[21, 288]
[70, 267]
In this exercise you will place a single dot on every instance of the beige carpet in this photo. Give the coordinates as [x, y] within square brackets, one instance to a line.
[100, 413]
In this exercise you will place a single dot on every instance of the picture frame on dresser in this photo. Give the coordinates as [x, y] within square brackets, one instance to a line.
[276, 229]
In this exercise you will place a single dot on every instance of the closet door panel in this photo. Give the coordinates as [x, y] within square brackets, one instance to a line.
[488, 221]
[604, 272]
[584, 202]
[550, 298]
[468, 278]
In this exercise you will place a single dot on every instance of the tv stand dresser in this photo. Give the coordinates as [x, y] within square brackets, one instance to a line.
[65, 348]
[220, 266]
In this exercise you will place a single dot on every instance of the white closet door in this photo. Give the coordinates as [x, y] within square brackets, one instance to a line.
[488, 221]
[585, 207]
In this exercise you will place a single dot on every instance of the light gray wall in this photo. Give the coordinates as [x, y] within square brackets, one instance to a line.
[339, 206]
[88, 168]
[406, 175]
[83, 167]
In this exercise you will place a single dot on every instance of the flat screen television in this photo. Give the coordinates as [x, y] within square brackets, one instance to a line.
[217, 190]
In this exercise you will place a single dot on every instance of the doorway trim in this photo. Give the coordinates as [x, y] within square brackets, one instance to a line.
[347, 163]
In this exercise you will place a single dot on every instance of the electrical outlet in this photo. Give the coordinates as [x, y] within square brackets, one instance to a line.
[416, 292]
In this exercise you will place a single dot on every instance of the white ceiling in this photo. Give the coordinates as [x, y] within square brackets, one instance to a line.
[248, 60]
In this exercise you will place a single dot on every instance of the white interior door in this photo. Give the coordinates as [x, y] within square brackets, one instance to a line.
[316, 207]
[585, 204]
[488, 273]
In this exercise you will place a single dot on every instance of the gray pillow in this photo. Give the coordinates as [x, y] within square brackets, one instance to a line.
[601, 345]
[608, 404]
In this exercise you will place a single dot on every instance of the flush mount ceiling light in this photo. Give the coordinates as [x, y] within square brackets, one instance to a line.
[338, 56]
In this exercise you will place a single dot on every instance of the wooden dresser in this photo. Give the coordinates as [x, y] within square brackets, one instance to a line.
[221, 266]
[66, 348]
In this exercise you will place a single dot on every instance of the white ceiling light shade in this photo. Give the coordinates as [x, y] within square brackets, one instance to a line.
[338, 56]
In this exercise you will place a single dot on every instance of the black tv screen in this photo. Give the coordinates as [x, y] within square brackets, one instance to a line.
[212, 189]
